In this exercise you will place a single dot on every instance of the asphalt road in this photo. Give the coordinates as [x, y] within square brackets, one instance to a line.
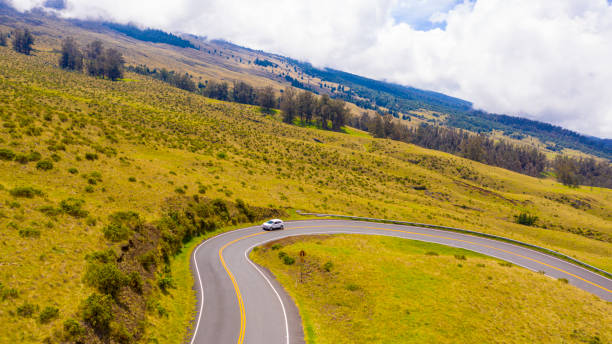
[239, 302]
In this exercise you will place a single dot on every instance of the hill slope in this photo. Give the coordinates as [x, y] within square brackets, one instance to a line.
[132, 144]
[206, 60]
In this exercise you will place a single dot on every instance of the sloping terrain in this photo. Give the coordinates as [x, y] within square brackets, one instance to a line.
[75, 150]
[206, 60]
[130, 145]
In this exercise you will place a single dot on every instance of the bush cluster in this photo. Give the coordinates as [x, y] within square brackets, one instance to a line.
[25, 191]
[97, 311]
[526, 219]
[73, 207]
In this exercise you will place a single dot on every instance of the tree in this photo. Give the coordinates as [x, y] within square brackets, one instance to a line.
[23, 41]
[266, 98]
[306, 106]
[112, 62]
[3, 39]
[71, 57]
[566, 169]
[339, 114]
[95, 62]
[217, 90]
[243, 93]
[289, 105]
[376, 127]
[183, 81]
[323, 111]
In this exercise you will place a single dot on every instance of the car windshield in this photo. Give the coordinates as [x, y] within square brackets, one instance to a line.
[270, 221]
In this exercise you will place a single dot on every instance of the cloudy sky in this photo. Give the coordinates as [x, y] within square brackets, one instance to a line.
[549, 60]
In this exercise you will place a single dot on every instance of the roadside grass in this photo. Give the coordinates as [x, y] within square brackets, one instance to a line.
[129, 146]
[360, 288]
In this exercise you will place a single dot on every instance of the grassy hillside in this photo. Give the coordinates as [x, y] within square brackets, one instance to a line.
[221, 60]
[365, 289]
[71, 143]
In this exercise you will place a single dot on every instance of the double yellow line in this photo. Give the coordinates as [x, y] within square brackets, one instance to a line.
[239, 295]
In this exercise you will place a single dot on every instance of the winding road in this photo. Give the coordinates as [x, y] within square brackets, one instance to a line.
[239, 302]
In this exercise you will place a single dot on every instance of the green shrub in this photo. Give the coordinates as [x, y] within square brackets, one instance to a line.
[431, 253]
[25, 191]
[73, 170]
[34, 156]
[222, 155]
[132, 179]
[126, 218]
[26, 310]
[91, 156]
[106, 277]
[47, 314]
[120, 334]
[116, 232]
[506, 264]
[165, 282]
[44, 165]
[49, 210]
[106, 256]
[55, 157]
[328, 266]
[89, 189]
[526, 219]
[98, 311]
[276, 246]
[73, 207]
[180, 191]
[563, 280]
[29, 233]
[287, 260]
[282, 254]
[147, 260]
[460, 257]
[6, 154]
[135, 281]
[73, 329]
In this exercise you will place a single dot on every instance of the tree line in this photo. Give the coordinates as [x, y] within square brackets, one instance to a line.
[478, 147]
[97, 60]
[458, 142]
[182, 81]
[22, 40]
[582, 171]
[302, 107]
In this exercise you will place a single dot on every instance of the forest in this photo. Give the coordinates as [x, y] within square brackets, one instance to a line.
[151, 35]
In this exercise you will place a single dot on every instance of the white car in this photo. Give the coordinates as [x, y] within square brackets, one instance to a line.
[273, 224]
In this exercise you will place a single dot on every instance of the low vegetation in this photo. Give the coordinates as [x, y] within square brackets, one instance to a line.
[364, 289]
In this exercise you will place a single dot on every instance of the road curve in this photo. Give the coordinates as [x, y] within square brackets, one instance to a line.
[239, 302]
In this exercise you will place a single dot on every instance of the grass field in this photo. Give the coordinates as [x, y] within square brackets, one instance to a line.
[119, 146]
[367, 289]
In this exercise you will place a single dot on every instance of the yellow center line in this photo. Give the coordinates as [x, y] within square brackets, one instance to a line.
[239, 295]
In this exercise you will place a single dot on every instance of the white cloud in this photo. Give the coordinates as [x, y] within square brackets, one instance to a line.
[547, 60]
